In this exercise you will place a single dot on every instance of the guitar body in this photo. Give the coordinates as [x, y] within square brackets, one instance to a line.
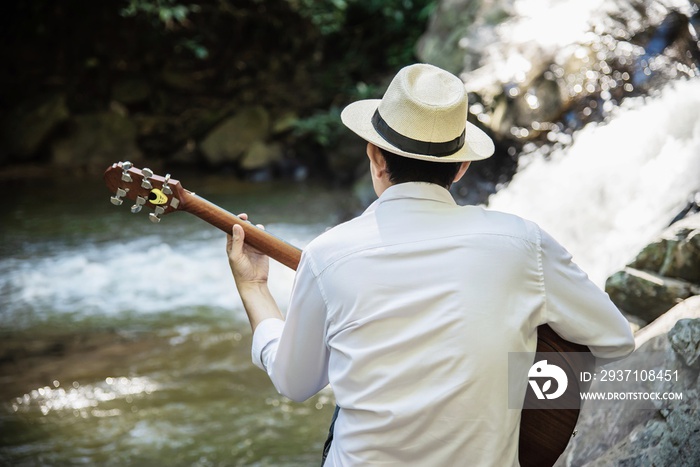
[544, 432]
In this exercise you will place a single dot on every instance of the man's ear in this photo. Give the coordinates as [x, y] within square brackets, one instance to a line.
[462, 170]
[376, 159]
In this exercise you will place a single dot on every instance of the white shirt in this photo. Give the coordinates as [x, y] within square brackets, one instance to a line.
[410, 310]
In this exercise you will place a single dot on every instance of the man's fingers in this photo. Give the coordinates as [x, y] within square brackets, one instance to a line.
[237, 239]
[229, 242]
[244, 217]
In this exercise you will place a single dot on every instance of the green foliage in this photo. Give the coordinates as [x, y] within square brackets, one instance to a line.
[363, 40]
[325, 127]
[327, 16]
[322, 127]
[389, 28]
[166, 12]
[195, 46]
[169, 15]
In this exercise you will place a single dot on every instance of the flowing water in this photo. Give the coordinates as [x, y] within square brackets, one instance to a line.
[618, 185]
[124, 342]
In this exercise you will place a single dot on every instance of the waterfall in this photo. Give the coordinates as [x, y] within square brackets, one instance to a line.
[618, 184]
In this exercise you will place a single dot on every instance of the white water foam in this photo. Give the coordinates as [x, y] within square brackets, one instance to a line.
[148, 275]
[619, 184]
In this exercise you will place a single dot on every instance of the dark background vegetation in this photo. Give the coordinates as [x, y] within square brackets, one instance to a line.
[185, 65]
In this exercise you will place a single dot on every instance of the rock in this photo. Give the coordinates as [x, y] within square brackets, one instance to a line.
[186, 155]
[542, 102]
[261, 155]
[95, 141]
[687, 309]
[685, 340]
[228, 141]
[348, 159]
[664, 272]
[26, 128]
[647, 295]
[676, 253]
[284, 122]
[458, 32]
[131, 91]
[523, 85]
[182, 81]
[666, 434]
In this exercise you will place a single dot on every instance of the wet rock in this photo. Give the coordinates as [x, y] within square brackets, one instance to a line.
[96, 140]
[228, 141]
[26, 128]
[527, 85]
[647, 295]
[182, 81]
[676, 253]
[261, 155]
[685, 340]
[284, 122]
[131, 91]
[665, 434]
[687, 309]
[663, 273]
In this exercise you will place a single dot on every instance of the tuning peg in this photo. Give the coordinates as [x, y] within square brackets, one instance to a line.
[166, 187]
[117, 199]
[126, 177]
[155, 215]
[140, 201]
[145, 183]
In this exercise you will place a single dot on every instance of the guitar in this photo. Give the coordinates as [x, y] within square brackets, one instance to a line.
[544, 431]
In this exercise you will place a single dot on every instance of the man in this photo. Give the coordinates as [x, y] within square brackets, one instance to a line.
[409, 311]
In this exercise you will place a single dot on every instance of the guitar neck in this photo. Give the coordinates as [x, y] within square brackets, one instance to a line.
[267, 243]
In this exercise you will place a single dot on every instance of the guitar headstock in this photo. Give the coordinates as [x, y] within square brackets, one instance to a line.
[144, 188]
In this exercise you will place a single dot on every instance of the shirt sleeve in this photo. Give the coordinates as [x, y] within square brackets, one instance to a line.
[294, 352]
[265, 340]
[577, 309]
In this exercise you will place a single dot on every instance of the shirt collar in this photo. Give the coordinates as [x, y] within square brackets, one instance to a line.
[414, 190]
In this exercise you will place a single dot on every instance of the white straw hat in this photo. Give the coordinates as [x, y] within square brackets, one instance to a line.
[423, 115]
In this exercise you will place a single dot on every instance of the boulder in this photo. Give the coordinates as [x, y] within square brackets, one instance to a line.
[131, 91]
[26, 128]
[685, 340]
[229, 140]
[96, 140]
[665, 434]
[676, 253]
[665, 272]
[687, 309]
[647, 295]
[523, 84]
[261, 155]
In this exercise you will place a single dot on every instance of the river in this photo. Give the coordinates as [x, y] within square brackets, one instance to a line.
[124, 342]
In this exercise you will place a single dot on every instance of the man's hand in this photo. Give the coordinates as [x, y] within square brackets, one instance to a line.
[248, 264]
[250, 270]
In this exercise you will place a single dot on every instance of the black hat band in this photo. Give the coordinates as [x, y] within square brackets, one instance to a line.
[416, 146]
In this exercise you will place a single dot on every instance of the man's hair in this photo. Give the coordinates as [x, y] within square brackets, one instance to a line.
[404, 169]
